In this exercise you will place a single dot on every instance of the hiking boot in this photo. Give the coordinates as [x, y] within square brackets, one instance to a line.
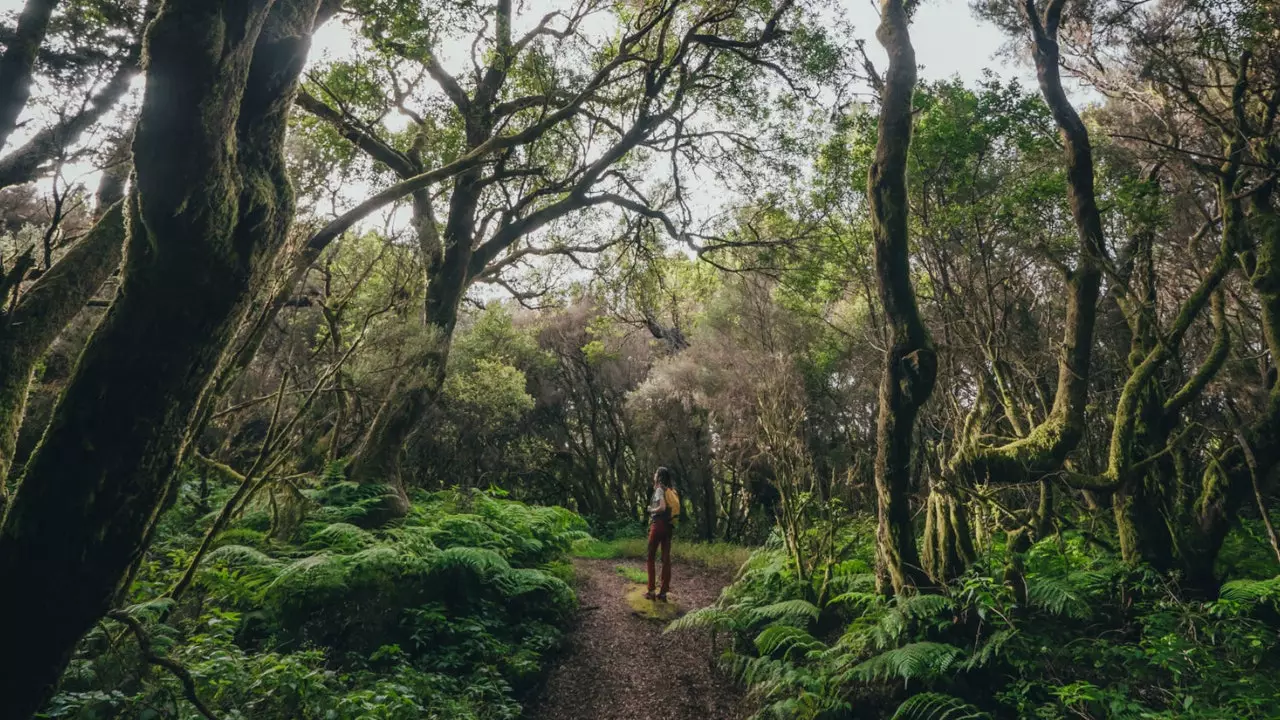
[662, 597]
[649, 595]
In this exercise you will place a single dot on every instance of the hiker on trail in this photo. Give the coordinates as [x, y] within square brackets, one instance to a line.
[664, 508]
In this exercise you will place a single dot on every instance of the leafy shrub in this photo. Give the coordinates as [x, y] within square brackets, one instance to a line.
[1096, 639]
[448, 615]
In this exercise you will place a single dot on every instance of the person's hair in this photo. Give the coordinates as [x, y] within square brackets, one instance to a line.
[664, 476]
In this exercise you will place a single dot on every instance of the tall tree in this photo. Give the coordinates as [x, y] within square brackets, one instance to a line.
[1044, 449]
[910, 363]
[203, 225]
[570, 132]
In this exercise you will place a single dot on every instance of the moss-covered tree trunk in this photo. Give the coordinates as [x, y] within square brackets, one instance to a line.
[1226, 483]
[1044, 449]
[1145, 504]
[42, 312]
[204, 223]
[910, 364]
[31, 326]
[948, 537]
[703, 472]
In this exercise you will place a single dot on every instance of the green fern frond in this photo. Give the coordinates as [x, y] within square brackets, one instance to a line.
[787, 609]
[1252, 591]
[921, 660]
[521, 581]
[343, 537]
[786, 639]
[937, 706]
[990, 649]
[308, 573]
[856, 599]
[707, 618]
[916, 607]
[1058, 596]
[241, 556]
[151, 609]
[481, 561]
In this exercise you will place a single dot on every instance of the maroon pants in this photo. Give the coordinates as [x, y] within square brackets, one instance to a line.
[660, 534]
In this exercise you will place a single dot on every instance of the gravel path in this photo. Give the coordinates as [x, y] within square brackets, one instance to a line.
[620, 666]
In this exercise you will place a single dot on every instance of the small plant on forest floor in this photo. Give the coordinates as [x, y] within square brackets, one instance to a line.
[635, 575]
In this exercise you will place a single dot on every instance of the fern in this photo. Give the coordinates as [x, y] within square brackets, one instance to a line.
[786, 639]
[904, 614]
[150, 610]
[937, 706]
[241, 556]
[856, 599]
[1058, 596]
[990, 649]
[787, 609]
[306, 575]
[917, 607]
[921, 660]
[1252, 591]
[342, 537]
[707, 618]
[481, 561]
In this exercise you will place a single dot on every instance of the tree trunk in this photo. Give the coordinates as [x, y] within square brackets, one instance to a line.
[948, 539]
[18, 61]
[416, 390]
[204, 222]
[1145, 502]
[706, 474]
[52, 302]
[1045, 448]
[910, 363]
[41, 314]
[1227, 484]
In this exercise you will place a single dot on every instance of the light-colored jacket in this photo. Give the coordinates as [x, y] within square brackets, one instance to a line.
[657, 503]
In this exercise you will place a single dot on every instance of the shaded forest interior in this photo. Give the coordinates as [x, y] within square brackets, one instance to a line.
[332, 331]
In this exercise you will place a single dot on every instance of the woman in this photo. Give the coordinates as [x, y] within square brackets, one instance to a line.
[660, 531]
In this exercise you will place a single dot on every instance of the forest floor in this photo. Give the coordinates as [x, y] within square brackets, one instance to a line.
[619, 664]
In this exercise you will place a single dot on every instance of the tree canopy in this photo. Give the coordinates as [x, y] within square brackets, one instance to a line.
[316, 365]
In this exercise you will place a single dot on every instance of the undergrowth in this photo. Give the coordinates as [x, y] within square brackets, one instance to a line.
[634, 575]
[714, 555]
[447, 615]
[1096, 639]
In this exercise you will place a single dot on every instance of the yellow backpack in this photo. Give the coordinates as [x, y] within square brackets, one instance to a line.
[673, 504]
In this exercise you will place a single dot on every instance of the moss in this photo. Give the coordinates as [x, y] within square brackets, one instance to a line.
[654, 610]
[41, 314]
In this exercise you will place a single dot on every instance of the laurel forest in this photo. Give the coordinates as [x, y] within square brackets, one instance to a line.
[340, 341]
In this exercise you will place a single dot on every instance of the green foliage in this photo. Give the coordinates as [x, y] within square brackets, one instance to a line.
[449, 615]
[1252, 591]
[635, 575]
[971, 651]
[714, 555]
[920, 660]
[936, 706]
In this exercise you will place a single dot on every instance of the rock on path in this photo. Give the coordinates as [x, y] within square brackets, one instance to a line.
[617, 666]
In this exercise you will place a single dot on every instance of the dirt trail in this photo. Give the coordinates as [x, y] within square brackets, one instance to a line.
[618, 666]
